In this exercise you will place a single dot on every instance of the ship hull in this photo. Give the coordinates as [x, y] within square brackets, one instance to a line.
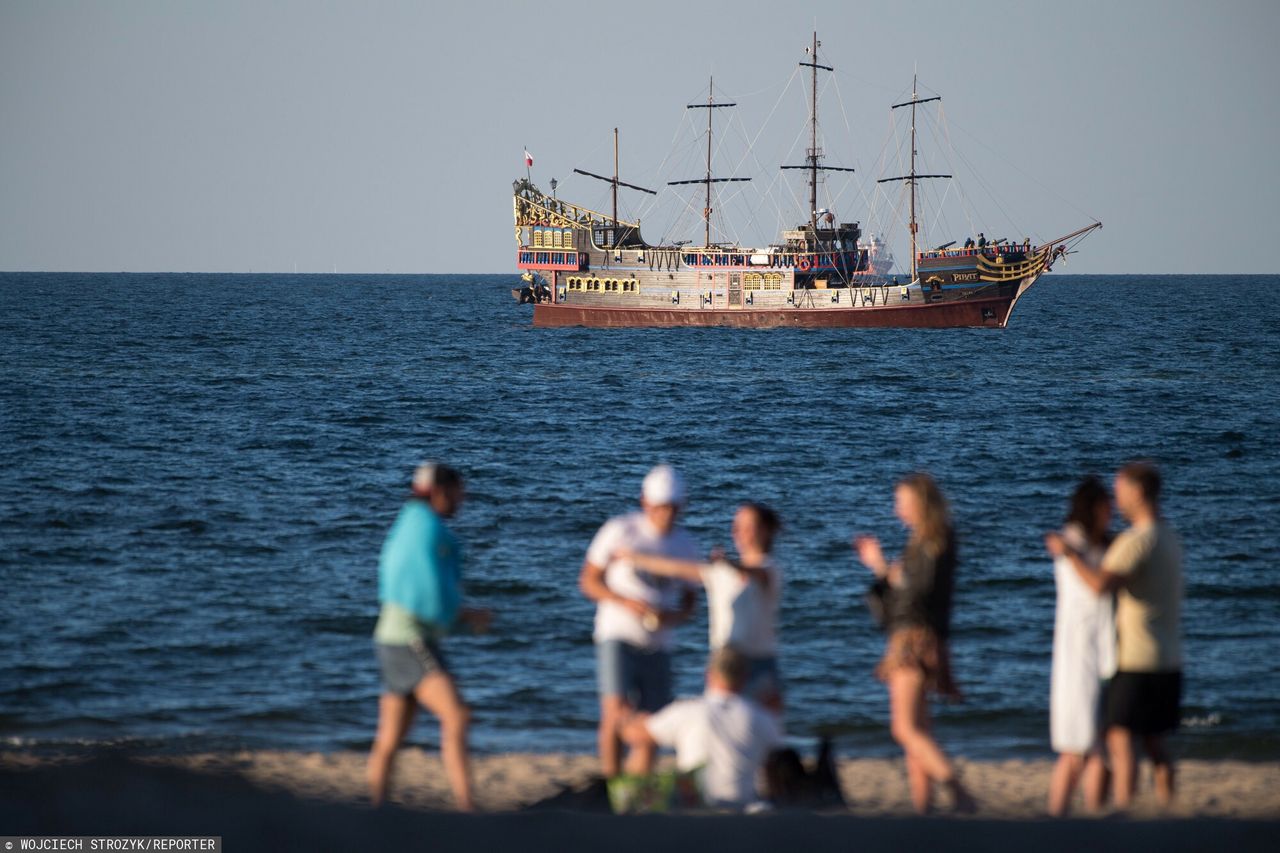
[977, 312]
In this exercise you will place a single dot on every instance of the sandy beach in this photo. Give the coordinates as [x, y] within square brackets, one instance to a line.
[873, 787]
[275, 800]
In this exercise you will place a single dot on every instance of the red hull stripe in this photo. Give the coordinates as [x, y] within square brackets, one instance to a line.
[985, 312]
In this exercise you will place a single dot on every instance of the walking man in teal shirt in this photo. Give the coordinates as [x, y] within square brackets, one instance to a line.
[419, 585]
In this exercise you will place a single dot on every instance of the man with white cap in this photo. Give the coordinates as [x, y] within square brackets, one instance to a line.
[636, 611]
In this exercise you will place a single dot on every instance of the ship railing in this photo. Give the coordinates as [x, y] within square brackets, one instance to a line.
[552, 259]
[989, 251]
[786, 259]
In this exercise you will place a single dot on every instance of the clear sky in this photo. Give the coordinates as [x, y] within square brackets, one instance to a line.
[383, 137]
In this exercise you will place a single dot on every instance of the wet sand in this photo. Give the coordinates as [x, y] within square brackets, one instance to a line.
[287, 800]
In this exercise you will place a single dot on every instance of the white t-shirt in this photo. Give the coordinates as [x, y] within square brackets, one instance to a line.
[742, 612]
[634, 532]
[728, 736]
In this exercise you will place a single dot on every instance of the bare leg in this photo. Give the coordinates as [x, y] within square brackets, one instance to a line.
[909, 722]
[906, 708]
[920, 785]
[614, 710]
[395, 715]
[1120, 746]
[641, 756]
[438, 694]
[918, 780]
[1163, 768]
[639, 759]
[1063, 782]
[1095, 782]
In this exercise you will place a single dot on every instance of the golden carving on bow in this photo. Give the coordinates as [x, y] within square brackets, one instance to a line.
[534, 208]
[998, 270]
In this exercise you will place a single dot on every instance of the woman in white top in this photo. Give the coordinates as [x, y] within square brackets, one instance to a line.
[1084, 654]
[742, 597]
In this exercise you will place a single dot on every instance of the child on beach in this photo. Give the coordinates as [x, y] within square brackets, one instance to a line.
[419, 585]
[917, 594]
[742, 597]
[1084, 656]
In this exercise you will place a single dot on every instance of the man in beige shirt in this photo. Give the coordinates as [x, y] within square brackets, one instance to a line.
[1144, 567]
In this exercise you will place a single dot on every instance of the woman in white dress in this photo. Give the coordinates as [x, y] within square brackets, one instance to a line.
[1084, 654]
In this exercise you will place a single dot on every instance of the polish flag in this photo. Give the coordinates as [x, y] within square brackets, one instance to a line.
[528, 158]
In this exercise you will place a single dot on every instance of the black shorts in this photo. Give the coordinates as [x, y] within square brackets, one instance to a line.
[1145, 703]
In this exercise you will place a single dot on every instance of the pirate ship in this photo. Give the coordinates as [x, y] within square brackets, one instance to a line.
[587, 268]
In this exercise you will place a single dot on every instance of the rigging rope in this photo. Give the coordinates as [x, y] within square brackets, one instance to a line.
[1025, 174]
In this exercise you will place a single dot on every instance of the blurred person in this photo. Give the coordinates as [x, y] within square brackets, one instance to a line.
[1084, 654]
[1144, 567]
[917, 592]
[419, 586]
[721, 737]
[636, 611]
[742, 597]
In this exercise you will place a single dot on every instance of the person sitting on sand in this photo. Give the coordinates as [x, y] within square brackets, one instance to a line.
[720, 737]
[742, 597]
[917, 591]
[1144, 565]
[636, 611]
[419, 585]
[1084, 655]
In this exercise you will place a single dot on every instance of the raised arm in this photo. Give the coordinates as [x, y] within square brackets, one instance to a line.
[1095, 578]
[872, 556]
[685, 570]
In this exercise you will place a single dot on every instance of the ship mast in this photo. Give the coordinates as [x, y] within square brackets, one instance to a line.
[706, 207]
[708, 180]
[814, 155]
[913, 177]
[615, 183]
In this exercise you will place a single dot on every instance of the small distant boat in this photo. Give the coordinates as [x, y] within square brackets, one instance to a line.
[879, 255]
[586, 268]
[535, 289]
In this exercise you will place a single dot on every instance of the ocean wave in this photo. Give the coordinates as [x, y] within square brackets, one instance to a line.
[194, 529]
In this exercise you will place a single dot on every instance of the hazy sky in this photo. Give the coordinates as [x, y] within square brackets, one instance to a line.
[383, 137]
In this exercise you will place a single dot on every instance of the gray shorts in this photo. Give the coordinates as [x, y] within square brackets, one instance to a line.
[640, 676]
[403, 666]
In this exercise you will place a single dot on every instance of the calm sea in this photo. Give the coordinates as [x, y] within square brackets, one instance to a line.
[197, 471]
